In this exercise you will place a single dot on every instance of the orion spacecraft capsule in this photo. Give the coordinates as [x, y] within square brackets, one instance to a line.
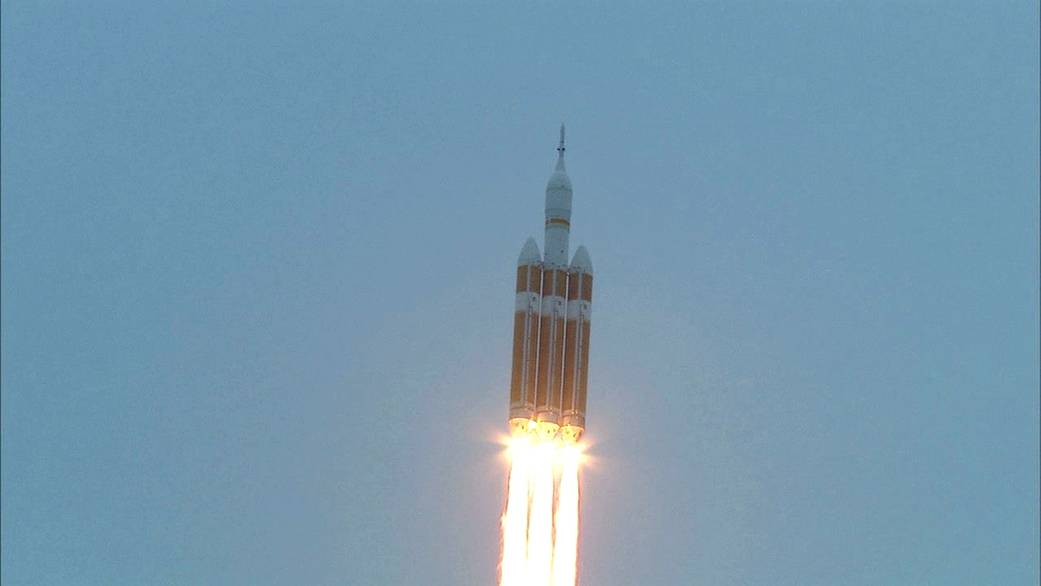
[551, 324]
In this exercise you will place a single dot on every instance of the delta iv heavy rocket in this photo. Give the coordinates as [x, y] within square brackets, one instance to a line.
[551, 324]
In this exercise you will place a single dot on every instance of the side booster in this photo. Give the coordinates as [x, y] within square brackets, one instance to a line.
[551, 324]
[576, 345]
[525, 337]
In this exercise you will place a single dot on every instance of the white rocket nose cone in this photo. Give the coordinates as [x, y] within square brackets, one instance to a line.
[559, 181]
[581, 261]
[529, 254]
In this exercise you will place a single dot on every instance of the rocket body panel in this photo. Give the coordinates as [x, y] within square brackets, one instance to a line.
[558, 219]
[557, 235]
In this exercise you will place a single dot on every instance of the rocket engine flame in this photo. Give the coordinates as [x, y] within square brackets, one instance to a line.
[540, 524]
[565, 545]
[515, 518]
[541, 520]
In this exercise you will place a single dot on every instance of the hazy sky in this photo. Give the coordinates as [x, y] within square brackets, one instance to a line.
[258, 269]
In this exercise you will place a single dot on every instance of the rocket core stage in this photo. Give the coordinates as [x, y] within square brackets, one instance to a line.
[551, 324]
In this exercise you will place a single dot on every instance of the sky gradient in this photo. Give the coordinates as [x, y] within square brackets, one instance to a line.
[258, 269]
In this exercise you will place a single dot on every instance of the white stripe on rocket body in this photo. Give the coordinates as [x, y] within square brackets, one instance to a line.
[559, 336]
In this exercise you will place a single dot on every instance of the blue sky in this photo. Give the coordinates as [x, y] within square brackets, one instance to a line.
[258, 270]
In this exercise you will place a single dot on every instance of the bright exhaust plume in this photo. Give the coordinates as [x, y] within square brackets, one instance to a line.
[541, 520]
[565, 544]
[515, 518]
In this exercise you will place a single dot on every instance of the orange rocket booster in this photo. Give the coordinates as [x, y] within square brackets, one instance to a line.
[576, 346]
[525, 337]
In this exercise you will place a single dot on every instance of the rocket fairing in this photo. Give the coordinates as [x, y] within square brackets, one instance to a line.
[551, 324]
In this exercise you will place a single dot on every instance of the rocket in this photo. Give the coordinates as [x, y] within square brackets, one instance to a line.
[551, 324]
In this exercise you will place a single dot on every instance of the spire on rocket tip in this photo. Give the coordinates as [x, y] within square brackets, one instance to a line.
[559, 179]
[581, 261]
[560, 150]
[530, 253]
